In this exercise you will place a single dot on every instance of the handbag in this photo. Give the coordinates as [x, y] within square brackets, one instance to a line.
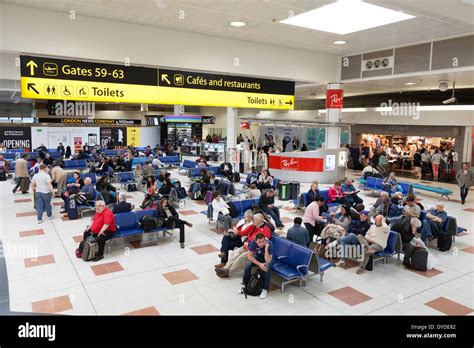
[320, 250]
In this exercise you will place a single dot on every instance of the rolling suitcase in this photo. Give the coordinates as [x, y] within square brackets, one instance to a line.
[24, 184]
[419, 259]
[71, 209]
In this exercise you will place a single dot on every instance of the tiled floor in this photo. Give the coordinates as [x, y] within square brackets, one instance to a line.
[152, 275]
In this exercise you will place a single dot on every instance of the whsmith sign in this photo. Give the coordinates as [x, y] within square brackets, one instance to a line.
[49, 78]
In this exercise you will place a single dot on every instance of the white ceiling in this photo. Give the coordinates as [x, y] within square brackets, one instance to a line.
[434, 19]
[392, 84]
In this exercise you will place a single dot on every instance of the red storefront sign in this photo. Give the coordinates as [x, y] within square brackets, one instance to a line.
[300, 164]
[334, 98]
[245, 125]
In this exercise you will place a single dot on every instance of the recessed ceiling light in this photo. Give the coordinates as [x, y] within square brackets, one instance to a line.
[410, 83]
[238, 24]
[339, 42]
[347, 16]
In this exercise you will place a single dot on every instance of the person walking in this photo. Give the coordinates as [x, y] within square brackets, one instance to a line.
[43, 190]
[465, 179]
[21, 174]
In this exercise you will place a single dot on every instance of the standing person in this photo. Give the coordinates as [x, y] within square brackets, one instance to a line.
[138, 175]
[465, 179]
[166, 212]
[43, 189]
[21, 174]
[102, 228]
[312, 219]
[61, 149]
[67, 155]
[59, 177]
[425, 162]
[435, 161]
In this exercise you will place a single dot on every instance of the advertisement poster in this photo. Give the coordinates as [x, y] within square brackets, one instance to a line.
[16, 137]
[315, 138]
[118, 136]
[77, 144]
[330, 163]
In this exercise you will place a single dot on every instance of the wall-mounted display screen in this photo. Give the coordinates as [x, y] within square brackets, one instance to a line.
[330, 163]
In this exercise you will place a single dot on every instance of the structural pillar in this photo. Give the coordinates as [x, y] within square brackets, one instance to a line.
[334, 98]
[231, 153]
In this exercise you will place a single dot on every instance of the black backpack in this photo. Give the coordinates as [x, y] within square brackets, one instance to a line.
[236, 177]
[181, 191]
[148, 223]
[255, 284]
[232, 210]
[445, 239]
[131, 187]
[419, 259]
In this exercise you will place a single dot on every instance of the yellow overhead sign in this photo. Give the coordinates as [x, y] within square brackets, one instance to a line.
[44, 78]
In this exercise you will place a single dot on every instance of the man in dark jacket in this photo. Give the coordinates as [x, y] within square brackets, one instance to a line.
[408, 228]
[360, 226]
[267, 203]
[122, 206]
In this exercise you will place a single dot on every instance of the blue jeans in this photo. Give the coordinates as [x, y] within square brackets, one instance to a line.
[196, 187]
[43, 202]
[350, 239]
[426, 230]
[267, 275]
[275, 214]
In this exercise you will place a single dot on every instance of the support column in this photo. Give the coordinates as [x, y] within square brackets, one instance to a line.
[231, 153]
[334, 97]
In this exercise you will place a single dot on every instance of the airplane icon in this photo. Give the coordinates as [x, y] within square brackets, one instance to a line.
[50, 69]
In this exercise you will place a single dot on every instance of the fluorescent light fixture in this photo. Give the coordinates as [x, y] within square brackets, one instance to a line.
[339, 42]
[410, 83]
[348, 16]
[238, 24]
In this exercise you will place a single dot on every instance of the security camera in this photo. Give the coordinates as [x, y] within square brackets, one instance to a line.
[450, 100]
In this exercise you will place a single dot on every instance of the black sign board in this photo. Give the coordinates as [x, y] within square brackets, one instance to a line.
[15, 137]
[117, 134]
[208, 120]
[94, 121]
[197, 80]
[52, 68]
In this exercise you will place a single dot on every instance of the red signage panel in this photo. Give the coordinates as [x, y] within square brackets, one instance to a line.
[334, 98]
[300, 164]
[244, 125]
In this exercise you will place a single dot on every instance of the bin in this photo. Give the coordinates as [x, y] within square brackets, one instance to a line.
[283, 191]
[294, 189]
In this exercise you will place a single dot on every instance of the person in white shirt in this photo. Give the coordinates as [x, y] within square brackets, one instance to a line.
[435, 162]
[43, 190]
[220, 211]
[374, 240]
[156, 163]
[253, 192]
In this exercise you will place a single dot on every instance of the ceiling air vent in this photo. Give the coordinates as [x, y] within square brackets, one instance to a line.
[377, 63]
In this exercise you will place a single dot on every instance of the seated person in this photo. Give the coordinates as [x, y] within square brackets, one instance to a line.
[156, 163]
[260, 254]
[166, 212]
[148, 171]
[267, 203]
[165, 189]
[238, 258]
[119, 164]
[122, 206]
[411, 208]
[138, 175]
[102, 228]
[313, 193]
[232, 240]
[202, 160]
[48, 160]
[81, 155]
[408, 229]
[253, 192]
[264, 180]
[381, 206]
[356, 210]
[103, 166]
[369, 170]
[335, 194]
[202, 183]
[390, 184]
[88, 189]
[433, 222]
[151, 193]
[338, 224]
[357, 227]
[298, 234]
[397, 198]
[71, 189]
[106, 189]
[220, 210]
[4, 165]
[226, 170]
[350, 193]
[312, 219]
[374, 240]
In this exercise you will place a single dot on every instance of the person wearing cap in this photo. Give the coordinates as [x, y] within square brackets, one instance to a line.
[357, 227]
[102, 228]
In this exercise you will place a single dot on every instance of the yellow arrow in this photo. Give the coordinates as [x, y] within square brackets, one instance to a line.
[32, 65]
[164, 77]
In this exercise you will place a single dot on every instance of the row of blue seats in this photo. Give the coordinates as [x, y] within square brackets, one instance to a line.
[241, 206]
[129, 224]
[253, 177]
[302, 201]
[294, 262]
[68, 165]
[376, 184]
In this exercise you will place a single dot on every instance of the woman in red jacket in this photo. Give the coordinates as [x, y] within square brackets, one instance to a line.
[335, 194]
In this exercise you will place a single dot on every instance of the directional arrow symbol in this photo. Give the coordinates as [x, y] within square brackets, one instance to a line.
[32, 86]
[289, 103]
[164, 77]
[32, 65]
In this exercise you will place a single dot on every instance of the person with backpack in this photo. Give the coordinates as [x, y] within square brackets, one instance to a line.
[260, 254]
[238, 258]
[170, 217]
